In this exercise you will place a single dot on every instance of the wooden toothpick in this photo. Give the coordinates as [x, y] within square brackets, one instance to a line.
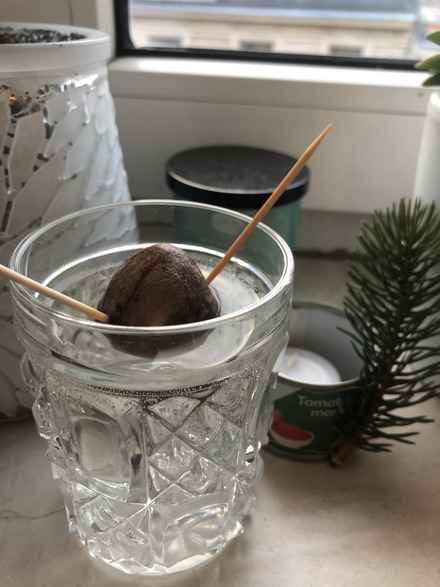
[267, 205]
[53, 294]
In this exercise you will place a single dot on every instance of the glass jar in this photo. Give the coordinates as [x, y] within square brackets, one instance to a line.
[154, 433]
[240, 178]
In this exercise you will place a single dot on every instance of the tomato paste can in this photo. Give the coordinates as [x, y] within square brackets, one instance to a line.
[320, 366]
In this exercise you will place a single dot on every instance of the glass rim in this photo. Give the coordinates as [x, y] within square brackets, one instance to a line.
[25, 293]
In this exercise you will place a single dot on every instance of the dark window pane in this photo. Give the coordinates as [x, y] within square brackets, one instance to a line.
[361, 30]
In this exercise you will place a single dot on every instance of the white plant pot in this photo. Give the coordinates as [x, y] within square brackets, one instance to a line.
[427, 179]
[59, 150]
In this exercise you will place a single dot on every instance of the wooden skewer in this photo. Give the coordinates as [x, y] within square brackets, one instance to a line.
[53, 294]
[267, 205]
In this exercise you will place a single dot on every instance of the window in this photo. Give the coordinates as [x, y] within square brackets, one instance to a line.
[386, 32]
[256, 46]
[163, 41]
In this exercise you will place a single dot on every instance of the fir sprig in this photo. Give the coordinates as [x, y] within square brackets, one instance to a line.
[393, 305]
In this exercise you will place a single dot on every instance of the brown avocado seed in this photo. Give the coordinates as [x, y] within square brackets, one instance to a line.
[160, 285]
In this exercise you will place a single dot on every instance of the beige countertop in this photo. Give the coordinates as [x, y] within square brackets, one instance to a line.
[373, 522]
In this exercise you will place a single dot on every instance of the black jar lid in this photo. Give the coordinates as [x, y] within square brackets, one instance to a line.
[233, 176]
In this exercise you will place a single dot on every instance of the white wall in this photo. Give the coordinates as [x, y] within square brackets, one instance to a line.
[53, 11]
[367, 161]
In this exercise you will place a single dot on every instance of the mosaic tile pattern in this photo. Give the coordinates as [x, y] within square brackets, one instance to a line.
[59, 153]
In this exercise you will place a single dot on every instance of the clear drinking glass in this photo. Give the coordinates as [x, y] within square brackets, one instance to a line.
[154, 455]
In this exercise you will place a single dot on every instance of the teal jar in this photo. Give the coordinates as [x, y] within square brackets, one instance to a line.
[240, 178]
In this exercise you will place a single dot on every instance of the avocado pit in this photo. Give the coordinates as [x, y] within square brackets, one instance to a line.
[160, 285]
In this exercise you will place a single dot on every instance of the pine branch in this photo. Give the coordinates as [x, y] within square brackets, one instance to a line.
[393, 306]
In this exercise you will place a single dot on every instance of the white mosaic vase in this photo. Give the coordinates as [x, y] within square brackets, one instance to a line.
[59, 151]
[427, 177]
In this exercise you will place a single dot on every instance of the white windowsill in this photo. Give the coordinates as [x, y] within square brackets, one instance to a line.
[278, 84]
